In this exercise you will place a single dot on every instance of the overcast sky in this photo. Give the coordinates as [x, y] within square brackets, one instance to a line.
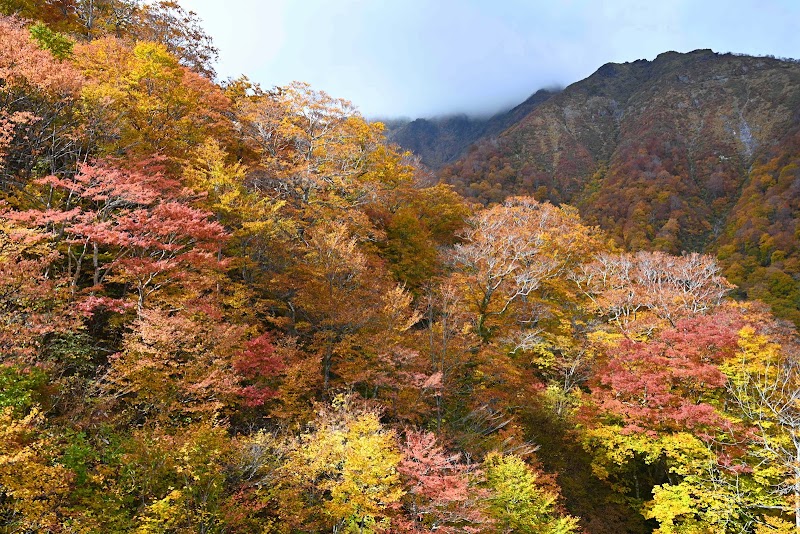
[420, 58]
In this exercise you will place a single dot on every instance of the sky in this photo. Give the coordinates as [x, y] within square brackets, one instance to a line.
[424, 58]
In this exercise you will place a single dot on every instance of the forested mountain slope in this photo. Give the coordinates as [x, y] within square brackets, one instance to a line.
[688, 152]
[231, 309]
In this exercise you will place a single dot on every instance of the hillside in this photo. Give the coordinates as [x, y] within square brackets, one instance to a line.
[688, 152]
[443, 140]
[232, 309]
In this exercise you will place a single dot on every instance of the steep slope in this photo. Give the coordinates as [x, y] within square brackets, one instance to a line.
[442, 140]
[692, 151]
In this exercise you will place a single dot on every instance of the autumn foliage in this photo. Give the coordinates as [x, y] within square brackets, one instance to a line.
[225, 308]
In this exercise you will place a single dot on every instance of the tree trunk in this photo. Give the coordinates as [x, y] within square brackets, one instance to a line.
[326, 365]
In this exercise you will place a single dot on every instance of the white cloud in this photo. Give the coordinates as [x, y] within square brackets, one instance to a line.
[423, 57]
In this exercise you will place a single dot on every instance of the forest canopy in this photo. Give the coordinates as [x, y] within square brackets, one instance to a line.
[230, 308]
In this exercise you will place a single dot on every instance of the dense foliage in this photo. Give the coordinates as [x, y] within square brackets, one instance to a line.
[231, 309]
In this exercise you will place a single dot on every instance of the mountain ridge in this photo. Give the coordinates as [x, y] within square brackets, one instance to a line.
[441, 140]
[664, 155]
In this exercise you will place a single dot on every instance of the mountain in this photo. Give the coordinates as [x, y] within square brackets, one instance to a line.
[443, 140]
[689, 152]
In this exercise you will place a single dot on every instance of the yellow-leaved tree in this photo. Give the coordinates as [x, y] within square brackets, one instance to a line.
[141, 101]
[32, 487]
[341, 474]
